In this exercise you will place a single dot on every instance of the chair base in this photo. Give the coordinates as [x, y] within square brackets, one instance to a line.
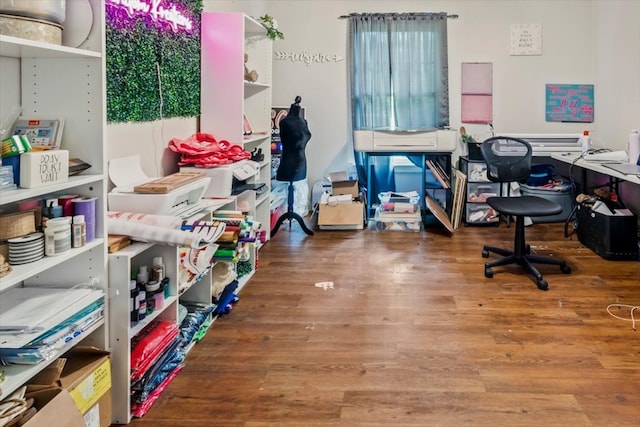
[521, 255]
[291, 216]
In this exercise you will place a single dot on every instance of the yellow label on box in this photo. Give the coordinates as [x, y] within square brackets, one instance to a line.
[89, 391]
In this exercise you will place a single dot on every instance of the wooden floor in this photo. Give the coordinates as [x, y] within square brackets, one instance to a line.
[411, 333]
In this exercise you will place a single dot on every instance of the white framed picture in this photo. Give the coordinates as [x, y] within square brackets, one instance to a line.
[526, 39]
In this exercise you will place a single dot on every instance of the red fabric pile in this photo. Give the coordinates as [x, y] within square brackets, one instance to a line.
[202, 150]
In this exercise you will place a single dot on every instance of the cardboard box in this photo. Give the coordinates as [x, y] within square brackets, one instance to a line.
[55, 409]
[343, 216]
[341, 184]
[85, 375]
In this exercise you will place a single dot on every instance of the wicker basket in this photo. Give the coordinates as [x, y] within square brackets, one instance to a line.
[17, 224]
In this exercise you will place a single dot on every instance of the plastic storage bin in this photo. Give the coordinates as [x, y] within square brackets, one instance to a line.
[480, 213]
[560, 193]
[394, 202]
[396, 222]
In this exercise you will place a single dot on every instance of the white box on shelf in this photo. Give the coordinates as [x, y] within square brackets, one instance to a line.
[41, 168]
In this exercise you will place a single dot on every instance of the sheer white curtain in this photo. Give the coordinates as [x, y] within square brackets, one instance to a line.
[398, 77]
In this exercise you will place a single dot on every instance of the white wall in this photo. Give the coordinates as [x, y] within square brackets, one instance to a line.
[591, 42]
[149, 140]
[617, 69]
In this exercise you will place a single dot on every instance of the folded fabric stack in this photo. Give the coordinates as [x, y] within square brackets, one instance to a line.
[202, 150]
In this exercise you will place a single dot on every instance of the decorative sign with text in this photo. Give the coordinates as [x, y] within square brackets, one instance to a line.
[40, 168]
[308, 58]
[526, 39]
[569, 103]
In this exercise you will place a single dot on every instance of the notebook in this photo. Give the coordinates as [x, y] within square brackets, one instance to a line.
[625, 168]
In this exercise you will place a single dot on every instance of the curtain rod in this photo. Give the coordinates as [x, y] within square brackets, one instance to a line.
[392, 14]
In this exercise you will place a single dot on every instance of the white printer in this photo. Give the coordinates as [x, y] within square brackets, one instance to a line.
[126, 173]
[436, 140]
[222, 176]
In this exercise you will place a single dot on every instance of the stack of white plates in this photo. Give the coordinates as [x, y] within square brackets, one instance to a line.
[26, 249]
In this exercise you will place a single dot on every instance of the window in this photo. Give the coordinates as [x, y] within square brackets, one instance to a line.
[398, 78]
[399, 71]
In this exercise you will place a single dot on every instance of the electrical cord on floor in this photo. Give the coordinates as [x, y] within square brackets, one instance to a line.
[631, 319]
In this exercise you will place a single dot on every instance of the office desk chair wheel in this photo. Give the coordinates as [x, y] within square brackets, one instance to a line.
[540, 282]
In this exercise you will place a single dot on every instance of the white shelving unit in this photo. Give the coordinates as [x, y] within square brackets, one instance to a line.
[227, 97]
[57, 81]
[122, 266]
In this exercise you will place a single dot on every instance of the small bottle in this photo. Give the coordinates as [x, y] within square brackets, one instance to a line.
[142, 304]
[157, 270]
[165, 287]
[151, 289]
[78, 232]
[57, 236]
[143, 275]
[585, 141]
[141, 281]
[134, 304]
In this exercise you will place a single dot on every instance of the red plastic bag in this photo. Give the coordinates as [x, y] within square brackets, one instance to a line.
[149, 345]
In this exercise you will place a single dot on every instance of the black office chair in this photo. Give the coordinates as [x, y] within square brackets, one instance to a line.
[509, 160]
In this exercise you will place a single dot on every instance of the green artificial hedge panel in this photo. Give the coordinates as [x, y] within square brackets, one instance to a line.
[137, 50]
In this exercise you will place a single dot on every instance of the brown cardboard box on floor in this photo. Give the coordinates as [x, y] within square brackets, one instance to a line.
[55, 409]
[341, 216]
[84, 374]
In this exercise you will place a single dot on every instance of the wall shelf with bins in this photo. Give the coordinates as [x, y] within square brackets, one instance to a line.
[61, 81]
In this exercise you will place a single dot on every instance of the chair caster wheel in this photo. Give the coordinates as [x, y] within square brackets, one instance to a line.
[488, 273]
[542, 284]
[565, 269]
[485, 253]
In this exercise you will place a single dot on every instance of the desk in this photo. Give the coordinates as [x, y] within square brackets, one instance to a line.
[612, 237]
[444, 159]
[614, 176]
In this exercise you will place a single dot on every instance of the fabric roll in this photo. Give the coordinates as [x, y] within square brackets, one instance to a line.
[87, 206]
[66, 201]
[167, 221]
[155, 234]
[229, 237]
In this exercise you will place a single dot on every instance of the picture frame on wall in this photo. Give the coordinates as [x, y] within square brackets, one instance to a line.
[569, 103]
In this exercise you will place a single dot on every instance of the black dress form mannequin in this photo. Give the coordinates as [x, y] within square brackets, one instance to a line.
[294, 135]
